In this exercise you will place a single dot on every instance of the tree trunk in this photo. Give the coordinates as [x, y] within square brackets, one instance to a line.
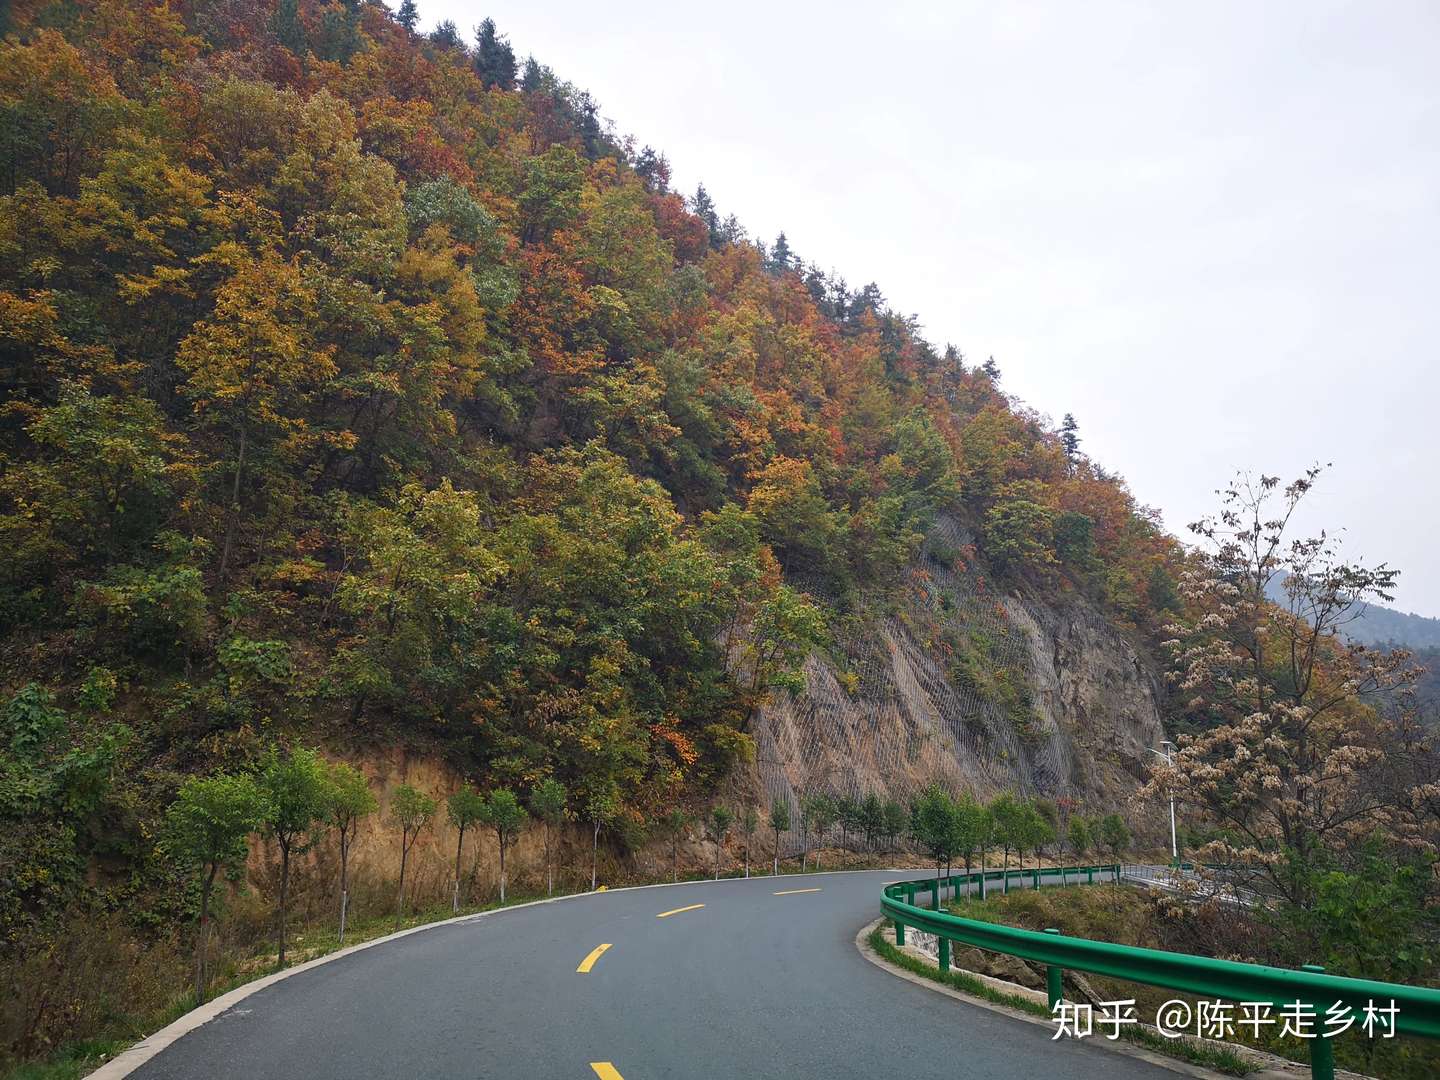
[202, 934]
[284, 897]
[459, 847]
[400, 899]
[502, 871]
[344, 880]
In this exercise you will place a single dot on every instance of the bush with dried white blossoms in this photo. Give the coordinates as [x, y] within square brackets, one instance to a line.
[1285, 753]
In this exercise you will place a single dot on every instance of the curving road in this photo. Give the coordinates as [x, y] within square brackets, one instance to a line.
[751, 984]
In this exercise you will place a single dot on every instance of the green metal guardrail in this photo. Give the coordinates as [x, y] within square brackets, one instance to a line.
[1418, 1008]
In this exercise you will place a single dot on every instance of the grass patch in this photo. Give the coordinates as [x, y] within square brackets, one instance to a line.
[1219, 1058]
[71, 1063]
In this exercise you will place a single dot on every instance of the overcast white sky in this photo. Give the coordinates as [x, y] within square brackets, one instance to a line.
[1211, 231]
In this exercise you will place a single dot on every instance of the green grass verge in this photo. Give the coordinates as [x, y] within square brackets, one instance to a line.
[1218, 1058]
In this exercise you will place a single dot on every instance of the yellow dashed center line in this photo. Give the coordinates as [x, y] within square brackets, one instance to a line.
[792, 892]
[605, 1071]
[678, 910]
[589, 961]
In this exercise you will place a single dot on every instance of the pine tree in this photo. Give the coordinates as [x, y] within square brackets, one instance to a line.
[1068, 439]
[286, 26]
[653, 170]
[534, 76]
[703, 207]
[494, 58]
[446, 36]
[780, 255]
[409, 15]
[731, 231]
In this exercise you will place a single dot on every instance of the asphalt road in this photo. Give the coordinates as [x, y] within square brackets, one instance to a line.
[750, 985]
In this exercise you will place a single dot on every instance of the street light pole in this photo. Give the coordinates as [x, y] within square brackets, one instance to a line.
[1168, 755]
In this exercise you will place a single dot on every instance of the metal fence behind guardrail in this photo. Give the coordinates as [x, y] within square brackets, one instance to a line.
[1418, 1008]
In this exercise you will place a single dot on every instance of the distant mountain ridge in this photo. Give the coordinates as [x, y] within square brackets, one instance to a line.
[1380, 625]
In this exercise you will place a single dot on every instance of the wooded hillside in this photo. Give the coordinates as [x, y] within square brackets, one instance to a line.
[363, 386]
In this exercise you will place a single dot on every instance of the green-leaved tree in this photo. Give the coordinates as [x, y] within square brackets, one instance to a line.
[719, 826]
[749, 822]
[295, 785]
[932, 824]
[674, 823]
[466, 807]
[348, 798]
[1006, 814]
[206, 827]
[547, 802]
[410, 810]
[968, 829]
[600, 809]
[779, 823]
[507, 817]
[1114, 834]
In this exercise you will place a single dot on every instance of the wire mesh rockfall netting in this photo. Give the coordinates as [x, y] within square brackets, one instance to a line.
[934, 688]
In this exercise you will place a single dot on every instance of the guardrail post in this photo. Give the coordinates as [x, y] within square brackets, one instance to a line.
[935, 895]
[944, 954]
[1322, 1051]
[1054, 977]
[899, 932]
[1089, 875]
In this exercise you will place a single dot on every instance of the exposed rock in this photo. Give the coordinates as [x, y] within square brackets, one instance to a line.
[999, 966]
[1063, 703]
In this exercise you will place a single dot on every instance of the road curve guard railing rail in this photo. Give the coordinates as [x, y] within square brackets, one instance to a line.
[1417, 1008]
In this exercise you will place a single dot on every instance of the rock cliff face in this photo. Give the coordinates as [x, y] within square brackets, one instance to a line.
[975, 690]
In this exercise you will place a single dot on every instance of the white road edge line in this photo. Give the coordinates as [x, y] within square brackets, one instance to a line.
[127, 1061]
